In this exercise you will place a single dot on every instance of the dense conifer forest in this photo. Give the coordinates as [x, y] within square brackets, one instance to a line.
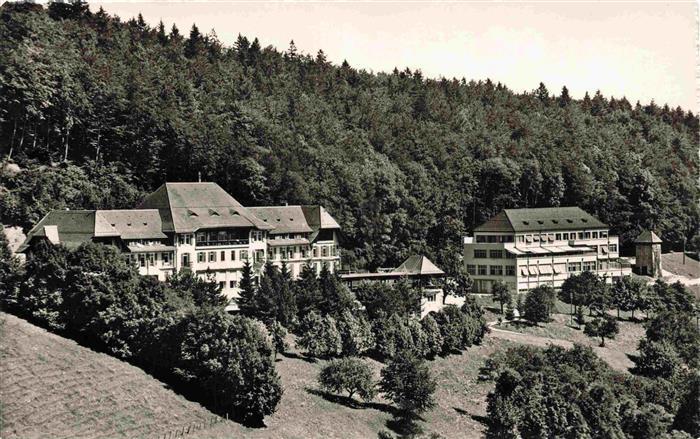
[96, 111]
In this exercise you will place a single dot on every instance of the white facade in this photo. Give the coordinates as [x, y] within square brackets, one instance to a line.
[526, 259]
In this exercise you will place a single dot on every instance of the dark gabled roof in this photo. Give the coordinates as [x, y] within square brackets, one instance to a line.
[541, 219]
[648, 237]
[130, 224]
[296, 219]
[68, 227]
[284, 219]
[188, 207]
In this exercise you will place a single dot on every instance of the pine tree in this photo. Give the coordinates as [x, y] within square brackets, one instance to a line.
[564, 98]
[247, 302]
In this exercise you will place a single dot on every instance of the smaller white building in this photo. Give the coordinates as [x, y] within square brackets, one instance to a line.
[525, 248]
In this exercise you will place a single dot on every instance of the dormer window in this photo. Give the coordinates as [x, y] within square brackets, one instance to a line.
[555, 221]
[526, 222]
[540, 222]
[584, 220]
[569, 221]
[128, 224]
[212, 212]
[145, 224]
[191, 212]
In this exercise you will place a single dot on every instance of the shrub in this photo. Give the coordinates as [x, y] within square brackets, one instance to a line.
[657, 359]
[350, 375]
[433, 337]
[604, 327]
[355, 332]
[538, 304]
[407, 381]
[319, 336]
[229, 361]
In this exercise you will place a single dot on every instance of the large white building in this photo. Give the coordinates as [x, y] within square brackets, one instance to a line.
[525, 248]
[200, 227]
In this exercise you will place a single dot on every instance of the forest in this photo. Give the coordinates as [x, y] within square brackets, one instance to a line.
[96, 111]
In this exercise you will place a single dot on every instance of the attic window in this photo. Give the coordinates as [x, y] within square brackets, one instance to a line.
[555, 221]
[212, 212]
[265, 219]
[145, 224]
[584, 220]
[278, 219]
[291, 219]
[569, 221]
[191, 212]
[112, 225]
[526, 222]
[128, 224]
[540, 222]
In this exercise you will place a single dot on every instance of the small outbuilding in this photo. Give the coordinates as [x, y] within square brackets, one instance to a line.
[648, 254]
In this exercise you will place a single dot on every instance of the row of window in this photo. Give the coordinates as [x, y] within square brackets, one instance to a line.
[233, 255]
[536, 270]
[150, 259]
[493, 254]
[491, 270]
[494, 238]
[562, 236]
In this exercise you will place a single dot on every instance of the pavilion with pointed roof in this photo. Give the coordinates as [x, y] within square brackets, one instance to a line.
[648, 254]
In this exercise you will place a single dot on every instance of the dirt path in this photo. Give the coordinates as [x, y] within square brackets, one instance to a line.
[615, 358]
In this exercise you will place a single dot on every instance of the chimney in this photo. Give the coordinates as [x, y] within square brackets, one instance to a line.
[199, 176]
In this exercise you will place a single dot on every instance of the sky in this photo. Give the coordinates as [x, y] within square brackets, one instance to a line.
[642, 51]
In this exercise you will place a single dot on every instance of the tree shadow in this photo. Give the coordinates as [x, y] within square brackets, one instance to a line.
[483, 420]
[296, 356]
[405, 424]
[353, 403]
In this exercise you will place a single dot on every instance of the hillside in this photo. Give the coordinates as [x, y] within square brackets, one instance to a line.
[97, 110]
[52, 387]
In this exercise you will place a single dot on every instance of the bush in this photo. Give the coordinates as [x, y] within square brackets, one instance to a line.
[407, 381]
[350, 375]
[229, 361]
[355, 332]
[657, 359]
[433, 337]
[319, 336]
[458, 330]
[538, 304]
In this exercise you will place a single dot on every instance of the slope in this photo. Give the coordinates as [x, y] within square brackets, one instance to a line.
[52, 387]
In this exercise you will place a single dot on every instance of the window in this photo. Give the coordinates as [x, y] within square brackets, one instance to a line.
[201, 237]
[244, 255]
[574, 267]
[536, 238]
[589, 266]
[595, 235]
[479, 254]
[222, 285]
[233, 255]
[166, 258]
[315, 252]
[200, 257]
[259, 255]
[603, 233]
[528, 238]
[142, 260]
[612, 248]
[496, 254]
[510, 270]
[507, 238]
[483, 270]
[580, 235]
[480, 238]
[212, 256]
[509, 255]
[565, 236]
[471, 269]
[223, 256]
[557, 236]
[232, 284]
[521, 238]
[491, 238]
[430, 298]
[333, 251]
[151, 259]
[496, 270]
[324, 251]
[587, 235]
[186, 260]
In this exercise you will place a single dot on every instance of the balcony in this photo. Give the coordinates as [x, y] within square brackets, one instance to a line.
[221, 243]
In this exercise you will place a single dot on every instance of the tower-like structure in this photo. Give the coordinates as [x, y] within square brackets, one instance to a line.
[648, 254]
